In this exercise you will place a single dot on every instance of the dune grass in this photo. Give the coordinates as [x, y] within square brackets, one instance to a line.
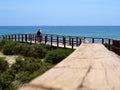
[34, 61]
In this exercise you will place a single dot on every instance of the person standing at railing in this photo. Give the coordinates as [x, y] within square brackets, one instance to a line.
[39, 36]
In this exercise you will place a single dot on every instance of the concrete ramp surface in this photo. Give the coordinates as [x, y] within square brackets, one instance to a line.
[90, 67]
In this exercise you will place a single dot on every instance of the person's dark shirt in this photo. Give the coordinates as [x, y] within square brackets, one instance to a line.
[38, 33]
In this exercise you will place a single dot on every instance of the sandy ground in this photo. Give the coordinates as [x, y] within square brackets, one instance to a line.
[9, 58]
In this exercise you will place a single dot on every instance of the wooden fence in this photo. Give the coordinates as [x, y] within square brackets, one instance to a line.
[71, 41]
[116, 46]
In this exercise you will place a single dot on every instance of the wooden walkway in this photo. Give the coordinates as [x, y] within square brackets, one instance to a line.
[54, 44]
[90, 67]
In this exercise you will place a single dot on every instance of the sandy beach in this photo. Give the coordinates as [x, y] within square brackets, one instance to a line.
[9, 58]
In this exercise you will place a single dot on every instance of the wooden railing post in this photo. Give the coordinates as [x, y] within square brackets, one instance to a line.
[12, 37]
[35, 39]
[18, 37]
[109, 44]
[92, 40]
[25, 37]
[51, 40]
[45, 39]
[72, 43]
[8, 37]
[57, 41]
[102, 41]
[69, 40]
[64, 41]
[80, 41]
[15, 37]
[22, 37]
[76, 41]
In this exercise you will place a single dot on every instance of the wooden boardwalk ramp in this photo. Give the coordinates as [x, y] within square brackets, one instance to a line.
[90, 67]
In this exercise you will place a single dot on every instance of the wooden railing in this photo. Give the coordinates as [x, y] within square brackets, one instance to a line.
[116, 46]
[71, 41]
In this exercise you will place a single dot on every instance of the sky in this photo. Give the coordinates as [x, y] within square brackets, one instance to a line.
[59, 12]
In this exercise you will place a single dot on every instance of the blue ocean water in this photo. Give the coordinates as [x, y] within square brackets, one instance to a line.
[85, 31]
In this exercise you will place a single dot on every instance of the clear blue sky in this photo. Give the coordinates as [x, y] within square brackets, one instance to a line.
[59, 12]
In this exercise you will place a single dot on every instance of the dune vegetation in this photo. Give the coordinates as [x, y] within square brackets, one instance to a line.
[33, 60]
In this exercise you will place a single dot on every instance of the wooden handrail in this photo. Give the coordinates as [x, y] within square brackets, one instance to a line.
[72, 41]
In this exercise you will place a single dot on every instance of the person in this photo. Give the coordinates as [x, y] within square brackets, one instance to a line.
[39, 35]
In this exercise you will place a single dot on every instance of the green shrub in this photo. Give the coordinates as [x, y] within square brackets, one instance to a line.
[18, 49]
[8, 48]
[22, 76]
[57, 55]
[6, 82]
[2, 43]
[47, 47]
[28, 68]
[28, 64]
[22, 49]
[36, 51]
[3, 65]
[6, 76]
[25, 77]
[27, 50]
[107, 46]
[11, 73]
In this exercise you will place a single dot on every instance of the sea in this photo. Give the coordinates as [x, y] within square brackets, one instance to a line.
[112, 32]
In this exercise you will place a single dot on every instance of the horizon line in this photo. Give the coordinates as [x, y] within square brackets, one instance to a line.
[52, 25]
